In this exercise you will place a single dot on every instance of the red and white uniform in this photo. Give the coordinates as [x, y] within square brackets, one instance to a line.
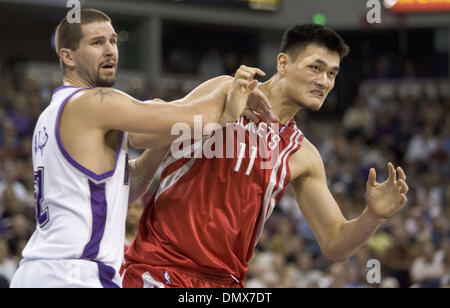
[200, 227]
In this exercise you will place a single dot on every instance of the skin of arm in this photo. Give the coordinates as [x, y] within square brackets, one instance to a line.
[143, 141]
[142, 170]
[110, 109]
[338, 238]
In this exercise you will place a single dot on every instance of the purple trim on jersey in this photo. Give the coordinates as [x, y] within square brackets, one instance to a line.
[106, 274]
[73, 162]
[99, 209]
[61, 88]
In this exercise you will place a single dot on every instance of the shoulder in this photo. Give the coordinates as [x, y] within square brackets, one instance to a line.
[306, 162]
[89, 106]
[90, 101]
[97, 95]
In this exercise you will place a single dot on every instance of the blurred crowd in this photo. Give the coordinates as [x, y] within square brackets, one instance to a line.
[412, 247]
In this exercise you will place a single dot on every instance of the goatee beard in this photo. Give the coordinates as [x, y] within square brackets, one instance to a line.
[105, 82]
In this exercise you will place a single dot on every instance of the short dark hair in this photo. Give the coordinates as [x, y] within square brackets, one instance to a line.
[68, 35]
[298, 37]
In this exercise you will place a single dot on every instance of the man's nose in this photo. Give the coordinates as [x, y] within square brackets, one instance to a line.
[109, 49]
[322, 80]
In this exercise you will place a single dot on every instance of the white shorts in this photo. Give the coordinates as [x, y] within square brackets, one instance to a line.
[65, 274]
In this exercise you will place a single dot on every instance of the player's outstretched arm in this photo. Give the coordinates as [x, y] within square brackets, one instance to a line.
[143, 141]
[338, 238]
[240, 93]
[110, 109]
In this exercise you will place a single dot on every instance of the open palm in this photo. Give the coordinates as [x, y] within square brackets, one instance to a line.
[385, 199]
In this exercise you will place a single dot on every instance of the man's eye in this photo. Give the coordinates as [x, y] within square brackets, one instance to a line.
[314, 68]
[114, 42]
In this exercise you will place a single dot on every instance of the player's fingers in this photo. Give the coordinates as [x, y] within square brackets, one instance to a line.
[252, 70]
[260, 103]
[242, 83]
[242, 74]
[392, 174]
[267, 114]
[260, 72]
[403, 199]
[401, 173]
[270, 116]
[252, 85]
[372, 177]
[250, 115]
[261, 98]
[403, 186]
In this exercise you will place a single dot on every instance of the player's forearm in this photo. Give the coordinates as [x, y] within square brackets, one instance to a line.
[352, 235]
[146, 141]
[198, 110]
[142, 171]
[138, 183]
[211, 106]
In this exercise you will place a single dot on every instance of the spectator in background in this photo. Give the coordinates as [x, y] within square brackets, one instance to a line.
[445, 256]
[13, 193]
[9, 137]
[133, 216]
[19, 234]
[231, 63]
[307, 275]
[357, 119]
[211, 65]
[176, 62]
[428, 268]
[21, 115]
[7, 265]
[422, 145]
[382, 68]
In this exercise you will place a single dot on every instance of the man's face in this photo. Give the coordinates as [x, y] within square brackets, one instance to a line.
[97, 56]
[311, 76]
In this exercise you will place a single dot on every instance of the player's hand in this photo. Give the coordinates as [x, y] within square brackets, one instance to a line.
[258, 104]
[238, 93]
[385, 199]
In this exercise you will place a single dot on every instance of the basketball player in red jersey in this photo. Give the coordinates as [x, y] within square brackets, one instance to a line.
[204, 219]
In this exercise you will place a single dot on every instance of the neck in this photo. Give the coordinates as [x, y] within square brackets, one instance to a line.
[71, 78]
[282, 107]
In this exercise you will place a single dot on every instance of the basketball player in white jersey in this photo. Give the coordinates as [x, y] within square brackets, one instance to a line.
[81, 171]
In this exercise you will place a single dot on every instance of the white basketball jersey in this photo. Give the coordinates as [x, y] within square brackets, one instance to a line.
[79, 214]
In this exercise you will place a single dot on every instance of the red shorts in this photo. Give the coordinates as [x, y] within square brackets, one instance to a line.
[145, 276]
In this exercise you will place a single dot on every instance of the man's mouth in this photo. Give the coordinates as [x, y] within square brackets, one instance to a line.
[109, 66]
[317, 93]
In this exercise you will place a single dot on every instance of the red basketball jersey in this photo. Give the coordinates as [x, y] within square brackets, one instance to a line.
[208, 213]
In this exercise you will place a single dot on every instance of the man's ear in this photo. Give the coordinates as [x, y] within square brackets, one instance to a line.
[282, 61]
[67, 57]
